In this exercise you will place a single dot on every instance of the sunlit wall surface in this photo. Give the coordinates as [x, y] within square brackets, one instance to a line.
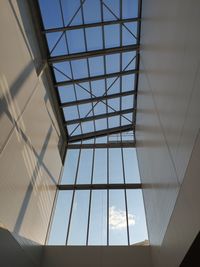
[89, 215]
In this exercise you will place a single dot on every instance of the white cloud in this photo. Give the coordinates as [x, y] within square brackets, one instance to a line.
[117, 218]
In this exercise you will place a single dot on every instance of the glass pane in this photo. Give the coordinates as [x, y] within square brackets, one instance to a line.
[117, 218]
[60, 219]
[69, 9]
[129, 32]
[79, 68]
[96, 66]
[88, 126]
[98, 218]
[99, 108]
[130, 8]
[113, 104]
[85, 167]
[131, 165]
[112, 63]
[98, 87]
[127, 102]
[100, 166]
[48, 12]
[94, 38]
[127, 118]
[128, 82]
[112, 38]
[128, 60]
[115, 166]
[66, 93]
[62, 71]
[74, 129]
[56, 47]
[70, 113]
[83, 90]
[79, 220]
[71, 162]
[92, 11]
[137, 221]
[101, 124]
[113, 85]
[76, 41]
[113, 121]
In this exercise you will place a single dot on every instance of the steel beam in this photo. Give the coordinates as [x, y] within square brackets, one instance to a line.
[102, 145]
[94, 53]
[91, 25]
[114, 130]
[96, 99]
[98, 77]
[100, 116]
[99, 186]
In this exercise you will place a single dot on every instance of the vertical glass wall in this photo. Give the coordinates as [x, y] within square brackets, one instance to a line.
[100, 199]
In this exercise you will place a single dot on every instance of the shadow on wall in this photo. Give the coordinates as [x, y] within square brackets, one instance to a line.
[12, 254]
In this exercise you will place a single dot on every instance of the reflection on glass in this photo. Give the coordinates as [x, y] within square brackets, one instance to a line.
[79, 220]
[98, 218]
[61, 218]
[117, 218]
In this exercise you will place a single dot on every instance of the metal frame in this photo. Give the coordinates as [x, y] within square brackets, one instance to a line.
[73, 82]
[91, 25]
[96, 78]
[92, 186]
[94, 53]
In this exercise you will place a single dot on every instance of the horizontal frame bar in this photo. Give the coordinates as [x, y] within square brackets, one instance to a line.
[105, 132]
[102, 145]
[99, 186]
[100, 116]
[97, 99]
[94, 53]
[95, 78]
[91, 25]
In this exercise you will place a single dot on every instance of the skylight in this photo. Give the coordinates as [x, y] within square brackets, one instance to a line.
[93, 55]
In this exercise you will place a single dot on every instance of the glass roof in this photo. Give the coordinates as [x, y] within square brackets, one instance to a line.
[94, 56]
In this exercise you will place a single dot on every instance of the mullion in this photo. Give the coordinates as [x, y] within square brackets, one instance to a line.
[121, 38]
[70, 64]
[125, 195]
[73, 196]
[88, 66]
[108, 195]
[90, 198]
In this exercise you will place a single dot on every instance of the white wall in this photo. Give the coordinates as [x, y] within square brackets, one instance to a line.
[30, 162]
[118, 256]
[168, 112]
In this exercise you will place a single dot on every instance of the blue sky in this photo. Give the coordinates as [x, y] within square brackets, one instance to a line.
[76, 69]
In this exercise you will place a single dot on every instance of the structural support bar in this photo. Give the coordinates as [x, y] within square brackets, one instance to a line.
[97, 99]
[100, 133]
[100, 116]
[102, 145]
[91, 25]
[99, 186]
[94, 53]
[95, 78]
